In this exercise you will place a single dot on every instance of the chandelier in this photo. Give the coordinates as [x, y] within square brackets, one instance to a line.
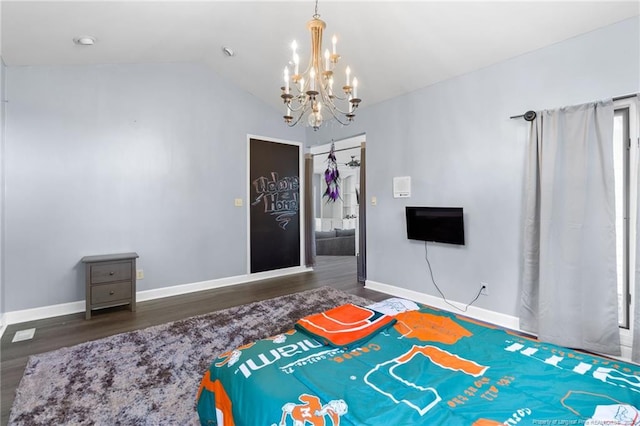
[311, 92]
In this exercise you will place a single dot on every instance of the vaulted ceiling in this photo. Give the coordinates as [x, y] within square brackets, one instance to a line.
[393, 47]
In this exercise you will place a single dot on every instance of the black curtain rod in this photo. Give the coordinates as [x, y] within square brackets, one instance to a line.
[338, 150]
[531, 115]
[619, 98]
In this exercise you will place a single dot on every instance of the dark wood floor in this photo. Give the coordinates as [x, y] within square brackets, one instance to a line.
[68, 330]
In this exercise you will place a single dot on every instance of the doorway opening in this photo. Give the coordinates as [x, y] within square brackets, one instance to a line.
[339, 226]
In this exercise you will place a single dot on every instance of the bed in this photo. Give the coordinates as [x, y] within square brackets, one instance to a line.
[422, 367]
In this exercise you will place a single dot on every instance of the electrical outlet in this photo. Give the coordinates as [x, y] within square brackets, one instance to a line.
[484, 289]
[140, 274]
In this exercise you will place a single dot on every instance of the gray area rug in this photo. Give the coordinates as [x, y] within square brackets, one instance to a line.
[151, 376]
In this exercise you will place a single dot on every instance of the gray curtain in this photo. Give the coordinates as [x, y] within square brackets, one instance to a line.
[569, 293]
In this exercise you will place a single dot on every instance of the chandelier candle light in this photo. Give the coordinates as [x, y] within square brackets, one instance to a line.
[312, 90]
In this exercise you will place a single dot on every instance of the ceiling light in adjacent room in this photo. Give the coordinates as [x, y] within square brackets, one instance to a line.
[84, 40]
[311, 91]
[353, 163]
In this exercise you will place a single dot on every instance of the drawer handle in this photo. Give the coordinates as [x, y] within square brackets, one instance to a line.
[111, 273]
[111, 293]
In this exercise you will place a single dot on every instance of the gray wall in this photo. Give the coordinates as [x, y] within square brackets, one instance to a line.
[2, 187]
[116, 158]
[2, 182]
[456, 141]
[150, 157]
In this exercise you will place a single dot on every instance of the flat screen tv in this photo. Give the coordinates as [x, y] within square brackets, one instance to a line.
[437, 224]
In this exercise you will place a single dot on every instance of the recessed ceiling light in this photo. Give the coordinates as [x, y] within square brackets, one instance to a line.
[84, 40]
[228, 51]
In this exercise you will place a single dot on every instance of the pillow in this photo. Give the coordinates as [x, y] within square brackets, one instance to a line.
[345, 326]
[345, 232]
[394, 305]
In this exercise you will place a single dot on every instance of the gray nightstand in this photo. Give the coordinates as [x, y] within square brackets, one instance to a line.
[110, 281]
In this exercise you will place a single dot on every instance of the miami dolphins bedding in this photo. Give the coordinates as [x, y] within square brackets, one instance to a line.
[423, 367]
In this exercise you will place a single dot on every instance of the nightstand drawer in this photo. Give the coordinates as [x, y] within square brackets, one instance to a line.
[110, 272]
[107, 293]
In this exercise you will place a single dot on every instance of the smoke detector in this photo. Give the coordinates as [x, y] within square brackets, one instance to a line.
[84, 40]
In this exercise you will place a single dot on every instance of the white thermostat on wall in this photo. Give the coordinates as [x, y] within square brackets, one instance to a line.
[402, 187]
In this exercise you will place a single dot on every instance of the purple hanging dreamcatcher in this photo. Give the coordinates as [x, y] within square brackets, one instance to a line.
[332, 177]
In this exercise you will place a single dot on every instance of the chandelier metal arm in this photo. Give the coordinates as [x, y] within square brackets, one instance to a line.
[335, 108]
[338, 118]
[293, 123]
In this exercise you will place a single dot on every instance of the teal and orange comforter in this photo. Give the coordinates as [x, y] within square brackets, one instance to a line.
[427, 367]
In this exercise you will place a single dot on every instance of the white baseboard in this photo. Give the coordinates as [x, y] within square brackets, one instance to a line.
[24, 315]
[497, 318]
[177, 290]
